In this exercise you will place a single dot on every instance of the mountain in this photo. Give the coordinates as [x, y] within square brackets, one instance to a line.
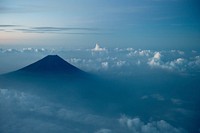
[48, 72]
[52, 64]
[49, 66]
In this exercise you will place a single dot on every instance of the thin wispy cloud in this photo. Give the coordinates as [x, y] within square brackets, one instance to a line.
[50, 29]
[3, 26]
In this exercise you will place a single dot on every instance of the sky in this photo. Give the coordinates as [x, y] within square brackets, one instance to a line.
[149, 24]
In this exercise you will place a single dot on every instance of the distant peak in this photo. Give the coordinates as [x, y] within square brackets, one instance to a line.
[52, 56]
[52, 64]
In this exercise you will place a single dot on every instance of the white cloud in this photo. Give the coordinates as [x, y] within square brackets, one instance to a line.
[197, 60]
[179, 61]
[144, 52]
[157, 55]
[27, 50]
[136, 125]
[98, 48]
[130, 49]
[75, 60]
[105, 65]
[139, 53]
[155, 61]
[181, 52]
[120, 63]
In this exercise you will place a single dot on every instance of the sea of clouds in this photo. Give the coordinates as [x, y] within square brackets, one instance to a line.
[23, 112]
[164, 83]
[108, 60]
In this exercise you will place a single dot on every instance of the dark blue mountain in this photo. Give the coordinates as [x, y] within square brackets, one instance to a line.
[50, 71]
[51, 65]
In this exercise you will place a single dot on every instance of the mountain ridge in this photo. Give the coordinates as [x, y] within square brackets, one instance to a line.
[51, 64]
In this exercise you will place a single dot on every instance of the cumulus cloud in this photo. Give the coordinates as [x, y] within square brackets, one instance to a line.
[144, 52]
[75, 60]
[139, 53]
[27, 50]
[157, 56]
[105, 65]
[136, 125]
[155, 61]
[172, 60]
[181, 52]
[98, 48]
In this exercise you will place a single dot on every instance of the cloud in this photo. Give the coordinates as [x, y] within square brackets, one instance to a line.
[105, 65]
[176, 101]
[104, 131]
[64, 30]
[144, 52]
[8, 26]
[127, 60]
[136, 125]
[179, 61]
[157, 97]
[23, 111]
[178, 64]
[120, 63]
[182, 111]
[139, 52]
[155, 61]
[157, 56]
[27, 50]
[50, 29]
[98, 48]
[75, 60]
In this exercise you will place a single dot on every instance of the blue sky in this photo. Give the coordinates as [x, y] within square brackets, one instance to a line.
[150, 24]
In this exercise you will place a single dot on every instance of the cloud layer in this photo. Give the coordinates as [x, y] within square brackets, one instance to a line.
[136, 125]
[24, 112]
[127, 59]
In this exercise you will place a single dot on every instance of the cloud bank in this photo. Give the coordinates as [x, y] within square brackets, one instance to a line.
[23, 112]
[136, 125]
[126, 59]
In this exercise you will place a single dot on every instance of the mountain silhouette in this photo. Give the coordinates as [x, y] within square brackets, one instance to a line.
[50, 70]
[52, 64]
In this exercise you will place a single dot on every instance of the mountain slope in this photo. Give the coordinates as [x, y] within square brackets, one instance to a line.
[49, 71]
[52, 64]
